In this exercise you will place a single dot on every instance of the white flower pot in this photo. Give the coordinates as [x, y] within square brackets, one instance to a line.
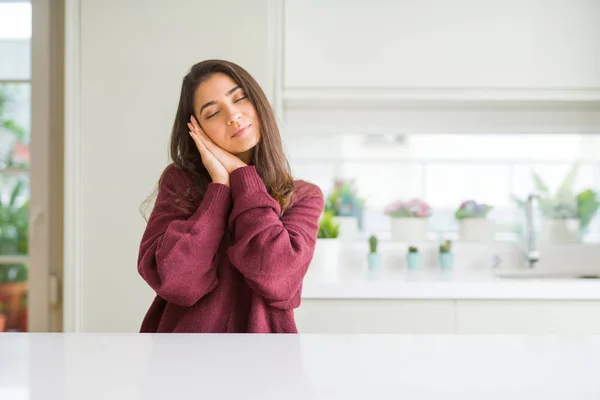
[348, 227]
[409, 230]
[327, 254]
[559, 230]
[476, 230]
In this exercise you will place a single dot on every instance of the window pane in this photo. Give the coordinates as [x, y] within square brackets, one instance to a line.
[15, 125]
[383, 183]
[14, 214]
[13, 297]
[15, 40]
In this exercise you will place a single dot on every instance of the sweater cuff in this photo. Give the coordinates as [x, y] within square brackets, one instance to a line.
[217, 199]
[246, 179]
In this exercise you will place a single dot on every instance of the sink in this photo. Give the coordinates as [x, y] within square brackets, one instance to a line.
[533, 273]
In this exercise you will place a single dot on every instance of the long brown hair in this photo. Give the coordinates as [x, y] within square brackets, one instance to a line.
[268, 156]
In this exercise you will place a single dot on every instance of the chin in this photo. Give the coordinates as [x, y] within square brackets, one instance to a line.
[244, 147]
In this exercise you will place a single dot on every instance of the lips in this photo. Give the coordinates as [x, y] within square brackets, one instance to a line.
[242, 131]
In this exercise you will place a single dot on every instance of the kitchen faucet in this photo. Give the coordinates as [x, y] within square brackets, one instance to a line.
[532, 253]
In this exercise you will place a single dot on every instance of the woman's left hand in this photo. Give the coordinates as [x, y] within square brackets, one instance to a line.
[229, 161]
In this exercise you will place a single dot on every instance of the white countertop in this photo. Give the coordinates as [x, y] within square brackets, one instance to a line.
[359, 283]
[134, 366]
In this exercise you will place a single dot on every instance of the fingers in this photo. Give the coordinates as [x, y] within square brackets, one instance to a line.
[195, 126]
[199, 142]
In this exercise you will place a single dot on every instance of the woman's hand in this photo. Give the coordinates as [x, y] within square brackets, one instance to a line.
[229, 161]
[218, 173]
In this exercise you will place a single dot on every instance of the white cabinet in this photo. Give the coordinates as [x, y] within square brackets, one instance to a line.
[375, 316]
[528, 317]
[449, 316]
[433, 66]
[453, 45]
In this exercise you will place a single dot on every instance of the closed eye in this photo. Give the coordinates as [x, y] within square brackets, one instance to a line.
[237, 101]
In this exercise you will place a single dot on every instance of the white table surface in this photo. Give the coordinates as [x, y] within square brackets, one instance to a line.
[134, 366]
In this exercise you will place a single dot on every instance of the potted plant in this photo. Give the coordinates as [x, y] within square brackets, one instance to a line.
[12, 135]
[560, 215]
[346, 207]
[587, 206]
[327, 248]
[409, 220]
[2, 314]
[374, 257]
[413, 258]
[445, 259]
[14, 235]
[473, 223]
[24, 313]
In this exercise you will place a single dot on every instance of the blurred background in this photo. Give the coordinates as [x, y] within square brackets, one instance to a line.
[426, 124]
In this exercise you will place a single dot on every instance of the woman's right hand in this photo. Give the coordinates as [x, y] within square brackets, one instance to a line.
[217, 171]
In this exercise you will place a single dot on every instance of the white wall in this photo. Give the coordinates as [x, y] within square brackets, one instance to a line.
[131, 58]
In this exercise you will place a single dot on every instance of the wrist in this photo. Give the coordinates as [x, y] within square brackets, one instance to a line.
[222, 181]
[236, 167]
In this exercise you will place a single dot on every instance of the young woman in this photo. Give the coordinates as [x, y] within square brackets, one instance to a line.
[231, 234]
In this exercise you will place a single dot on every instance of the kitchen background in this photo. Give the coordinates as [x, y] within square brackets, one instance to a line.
[429, 102]
[445, 170]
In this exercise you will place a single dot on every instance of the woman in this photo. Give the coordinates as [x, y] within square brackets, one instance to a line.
[231, 234]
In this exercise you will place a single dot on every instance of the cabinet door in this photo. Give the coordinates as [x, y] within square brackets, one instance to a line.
[424, 44]
[528, 317]
[375, 316]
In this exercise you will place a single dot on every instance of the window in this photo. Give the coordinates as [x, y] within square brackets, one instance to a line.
[15, 128]
[447, 169]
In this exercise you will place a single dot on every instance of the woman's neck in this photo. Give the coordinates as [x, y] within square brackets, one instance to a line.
[246, 156]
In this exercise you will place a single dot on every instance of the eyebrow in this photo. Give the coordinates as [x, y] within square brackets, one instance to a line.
[212, 103]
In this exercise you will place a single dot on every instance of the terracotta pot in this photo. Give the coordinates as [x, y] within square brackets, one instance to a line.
[24, 313]
[2, 322]
[13, 296]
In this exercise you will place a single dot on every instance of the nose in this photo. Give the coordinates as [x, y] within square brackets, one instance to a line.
[234, 115]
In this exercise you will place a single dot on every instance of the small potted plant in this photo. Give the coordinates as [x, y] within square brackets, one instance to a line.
[446, 255]
[327, 248]
[473, 223]
[413, 258]
[409, 220]
[374, 257]
[2, 315]
[346, 207]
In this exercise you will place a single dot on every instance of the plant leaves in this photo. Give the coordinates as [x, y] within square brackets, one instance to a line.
[539, 183]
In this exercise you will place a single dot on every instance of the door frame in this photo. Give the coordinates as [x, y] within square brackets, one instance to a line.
[73, 177]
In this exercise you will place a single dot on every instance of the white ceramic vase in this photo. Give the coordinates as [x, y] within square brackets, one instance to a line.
[348, 227]
[559, 230]
[476, 230]
[326, 258]
[409, 230]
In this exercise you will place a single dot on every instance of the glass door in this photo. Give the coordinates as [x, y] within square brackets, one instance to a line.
[15, 133]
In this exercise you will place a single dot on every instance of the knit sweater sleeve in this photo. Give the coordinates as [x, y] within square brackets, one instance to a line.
[177, 249]
[272, 252]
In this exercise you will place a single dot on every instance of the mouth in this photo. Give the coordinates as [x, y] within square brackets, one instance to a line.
[242, 131]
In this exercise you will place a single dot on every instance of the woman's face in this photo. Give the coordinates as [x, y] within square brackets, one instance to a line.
[226, 115]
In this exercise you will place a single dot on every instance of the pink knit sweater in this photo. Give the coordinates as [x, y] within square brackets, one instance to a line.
[235, 264]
